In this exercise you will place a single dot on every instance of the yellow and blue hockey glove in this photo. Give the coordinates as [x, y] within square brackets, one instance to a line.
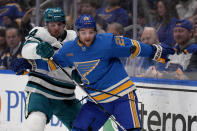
[161, 52]
[45, 50]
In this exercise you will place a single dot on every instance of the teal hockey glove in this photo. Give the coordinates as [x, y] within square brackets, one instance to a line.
[75, 76]
[45, 50]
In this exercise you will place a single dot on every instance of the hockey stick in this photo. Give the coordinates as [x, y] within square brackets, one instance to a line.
[99, 105]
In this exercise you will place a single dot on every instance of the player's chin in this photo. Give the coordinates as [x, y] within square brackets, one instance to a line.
[88, 43]
[56, 35]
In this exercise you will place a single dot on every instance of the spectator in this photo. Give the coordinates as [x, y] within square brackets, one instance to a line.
[191, 71]
[183, 33]
[186, 8]
[89, 7]
[9, 13]
[12, 16]
[127, 5]
[139, 65]
[178, 66]
[116, 29]
[192, 67]
[164, 23]
[195, 33]
[113, 13]
[149, 36]
[3, 44]
[14, 42]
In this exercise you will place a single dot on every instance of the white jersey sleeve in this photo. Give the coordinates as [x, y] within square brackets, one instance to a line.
[36, 35]
[29, 50]
[71, 35]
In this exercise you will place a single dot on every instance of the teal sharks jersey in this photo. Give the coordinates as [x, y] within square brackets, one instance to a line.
[99, 65]
[44, 78]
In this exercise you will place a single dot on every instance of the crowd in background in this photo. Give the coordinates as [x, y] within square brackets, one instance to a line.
[172, 23]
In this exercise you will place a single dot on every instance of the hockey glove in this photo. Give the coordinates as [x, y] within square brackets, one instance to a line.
[45, 50]
[20, 66]
[75, 76]
[161, 52]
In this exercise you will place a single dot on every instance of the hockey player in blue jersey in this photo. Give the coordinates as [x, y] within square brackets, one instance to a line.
[96, 58]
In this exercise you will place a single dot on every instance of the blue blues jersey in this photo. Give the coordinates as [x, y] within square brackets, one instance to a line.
[99, 65]
[115, 14]
[8, 55]
[10, 10]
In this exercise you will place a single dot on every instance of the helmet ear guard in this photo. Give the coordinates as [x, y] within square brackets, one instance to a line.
[54, 15]
[85, 21]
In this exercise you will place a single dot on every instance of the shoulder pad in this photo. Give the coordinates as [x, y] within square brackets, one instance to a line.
[71, 35]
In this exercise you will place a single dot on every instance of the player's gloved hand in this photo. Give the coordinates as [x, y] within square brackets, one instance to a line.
[45, 50]
[162, 52]
[75, 76]
[20, 66]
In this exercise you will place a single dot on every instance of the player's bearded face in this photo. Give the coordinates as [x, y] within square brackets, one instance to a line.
[86, 36]
[55, 28]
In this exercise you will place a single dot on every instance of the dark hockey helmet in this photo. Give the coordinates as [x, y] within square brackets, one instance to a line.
[54, 15]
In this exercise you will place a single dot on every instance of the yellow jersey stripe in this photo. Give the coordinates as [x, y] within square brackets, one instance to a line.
[115, 91]
[137, 49]
[133, 107]
[51, 65]
[112, 87]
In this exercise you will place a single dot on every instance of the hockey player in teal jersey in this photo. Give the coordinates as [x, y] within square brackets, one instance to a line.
[48, 91]
[96, 58]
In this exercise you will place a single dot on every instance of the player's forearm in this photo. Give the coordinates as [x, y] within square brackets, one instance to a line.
[140, 49]
[29, 51]
[146, 50]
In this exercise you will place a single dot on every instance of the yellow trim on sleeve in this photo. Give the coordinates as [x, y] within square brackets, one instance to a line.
[115, 91]
[137, 49]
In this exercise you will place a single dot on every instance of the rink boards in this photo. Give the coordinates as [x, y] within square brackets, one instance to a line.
[168, 105]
